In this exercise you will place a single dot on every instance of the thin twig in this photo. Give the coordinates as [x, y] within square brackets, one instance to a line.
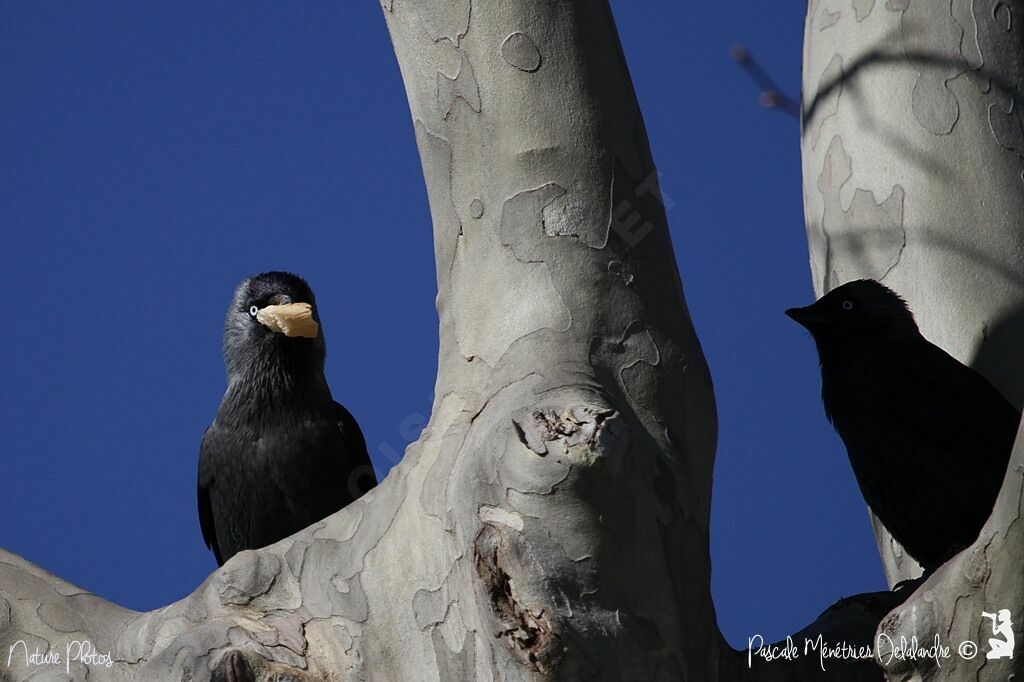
[771, 96]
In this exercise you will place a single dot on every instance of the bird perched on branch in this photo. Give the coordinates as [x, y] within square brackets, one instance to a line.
[928, 437]
[281, 454]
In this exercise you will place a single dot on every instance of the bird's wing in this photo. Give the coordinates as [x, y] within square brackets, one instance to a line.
[948, 404]
[307, 473]
[355, 448]
[205, 481]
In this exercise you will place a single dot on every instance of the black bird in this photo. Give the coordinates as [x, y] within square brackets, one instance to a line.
[281, 454]
[928, 437]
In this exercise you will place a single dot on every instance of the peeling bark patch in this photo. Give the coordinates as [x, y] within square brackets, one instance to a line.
[60, 617]
[532, 215]
[487, 325]
[288, 630]
[574, 426]
[970, 47]
[32, 643]
[454, 665]
[564, 216]
[635, 345]
[829, 19]
[935, 107]
[434, 494]
[865, 240]
[862, 9]
[476, 209]
[976, 568]
[528, 633]
[322, 596]
[246, 576]
[585, 214]
[532, 475]
[1002, 15]
[520, 51]
[1005, 123]
[989, 37]
[430, 607]
[436, 157]
[463, 86]
[926, 30]
[344, 638]
[448, 20]
[505, 517]
[185, 650]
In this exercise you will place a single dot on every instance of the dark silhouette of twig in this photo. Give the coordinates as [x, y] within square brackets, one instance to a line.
[771, 96]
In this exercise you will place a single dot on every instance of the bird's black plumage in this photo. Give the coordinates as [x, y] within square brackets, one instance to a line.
[928, 437]
[280, 454]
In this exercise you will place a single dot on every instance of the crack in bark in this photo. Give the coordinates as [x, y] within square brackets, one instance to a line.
[233, 668]
[528, 633]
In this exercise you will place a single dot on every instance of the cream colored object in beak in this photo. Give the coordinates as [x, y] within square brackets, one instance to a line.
[294, 319]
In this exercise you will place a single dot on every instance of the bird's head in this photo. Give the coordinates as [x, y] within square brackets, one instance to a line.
[272, 317]
[857, 312]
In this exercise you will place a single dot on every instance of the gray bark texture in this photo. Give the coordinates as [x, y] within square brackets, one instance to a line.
[913, 160]
[552, 520]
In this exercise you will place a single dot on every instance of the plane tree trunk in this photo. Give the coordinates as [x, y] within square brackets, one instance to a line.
[552, 520]
[913, 153]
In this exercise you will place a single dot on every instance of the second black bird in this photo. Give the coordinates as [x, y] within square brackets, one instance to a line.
[281, 454]
[928, 437]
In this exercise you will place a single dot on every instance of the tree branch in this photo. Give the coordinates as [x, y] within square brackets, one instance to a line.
[887, 155]
[552, 520]
[772, 96]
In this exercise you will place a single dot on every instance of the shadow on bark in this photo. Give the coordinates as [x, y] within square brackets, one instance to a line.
[880, 58]
[999, 355]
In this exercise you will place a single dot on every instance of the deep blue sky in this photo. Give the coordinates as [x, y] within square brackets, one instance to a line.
[155, 154]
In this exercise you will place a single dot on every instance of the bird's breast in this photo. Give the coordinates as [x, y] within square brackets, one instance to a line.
[850, 390]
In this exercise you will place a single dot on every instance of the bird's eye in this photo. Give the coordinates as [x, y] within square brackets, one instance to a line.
[847, 305]
[253, 310]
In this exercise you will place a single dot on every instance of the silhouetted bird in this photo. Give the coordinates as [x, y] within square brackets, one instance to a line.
[928, 438]
[281, 454]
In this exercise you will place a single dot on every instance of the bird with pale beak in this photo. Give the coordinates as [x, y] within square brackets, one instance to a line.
[281, 454]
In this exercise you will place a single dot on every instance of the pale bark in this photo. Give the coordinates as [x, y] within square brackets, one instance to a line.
[913, 152]
[552, 521]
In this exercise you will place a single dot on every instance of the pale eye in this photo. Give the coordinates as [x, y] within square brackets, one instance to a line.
[847, 305]
[253, 310]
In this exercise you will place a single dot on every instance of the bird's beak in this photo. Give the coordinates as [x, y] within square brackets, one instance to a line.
[292, 319]
[808, 317]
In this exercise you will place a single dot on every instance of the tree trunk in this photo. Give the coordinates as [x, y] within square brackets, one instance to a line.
[913, 151]
[552, 520]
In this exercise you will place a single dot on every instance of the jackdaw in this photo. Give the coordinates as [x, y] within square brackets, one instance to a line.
[928, 437]
[280, 454]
